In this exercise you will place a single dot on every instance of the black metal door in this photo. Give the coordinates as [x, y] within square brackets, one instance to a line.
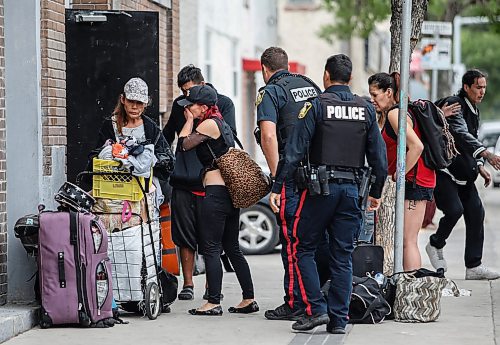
[103, 51]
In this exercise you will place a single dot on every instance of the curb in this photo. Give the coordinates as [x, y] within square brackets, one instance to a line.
[16, 319]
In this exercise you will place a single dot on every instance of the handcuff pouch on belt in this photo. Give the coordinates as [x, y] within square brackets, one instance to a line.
[318, 178]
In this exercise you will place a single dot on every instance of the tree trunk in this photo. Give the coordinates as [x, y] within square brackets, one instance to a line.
[385, 227]
[419, 9]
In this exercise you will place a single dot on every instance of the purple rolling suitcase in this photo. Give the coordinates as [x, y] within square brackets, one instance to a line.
[74, 269]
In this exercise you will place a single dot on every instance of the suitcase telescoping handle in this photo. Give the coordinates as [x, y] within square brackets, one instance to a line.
[73, 230]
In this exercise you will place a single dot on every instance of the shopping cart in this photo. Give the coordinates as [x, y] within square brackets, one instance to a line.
[133, 253]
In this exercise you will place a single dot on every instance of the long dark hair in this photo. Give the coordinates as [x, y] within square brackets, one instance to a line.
[385, 81]
[120, 114]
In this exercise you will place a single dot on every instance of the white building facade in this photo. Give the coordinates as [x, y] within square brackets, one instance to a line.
[299, 22]
[220, 37]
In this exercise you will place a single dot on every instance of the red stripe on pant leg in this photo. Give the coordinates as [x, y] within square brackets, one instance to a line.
[288, 247]
[294, 234]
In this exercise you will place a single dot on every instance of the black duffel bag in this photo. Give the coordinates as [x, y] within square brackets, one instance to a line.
[367, 303]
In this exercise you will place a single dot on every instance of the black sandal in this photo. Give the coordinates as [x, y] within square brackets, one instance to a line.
[250, 308]
[215, 311]
[187, 293]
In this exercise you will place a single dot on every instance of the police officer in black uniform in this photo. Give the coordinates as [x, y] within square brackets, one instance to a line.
[278, 104]
[339, 130]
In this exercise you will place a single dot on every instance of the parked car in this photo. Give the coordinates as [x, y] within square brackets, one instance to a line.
[259, 232]
[495, 174]
[489, 132]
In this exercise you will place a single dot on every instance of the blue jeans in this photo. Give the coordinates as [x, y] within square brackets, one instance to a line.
[340, 214]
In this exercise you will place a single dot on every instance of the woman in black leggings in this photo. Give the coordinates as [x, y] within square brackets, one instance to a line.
[219, 225]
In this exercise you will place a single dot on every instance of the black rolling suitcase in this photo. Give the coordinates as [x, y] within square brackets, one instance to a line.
[367, 257]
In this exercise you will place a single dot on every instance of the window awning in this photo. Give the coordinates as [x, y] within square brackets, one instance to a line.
[253, 65]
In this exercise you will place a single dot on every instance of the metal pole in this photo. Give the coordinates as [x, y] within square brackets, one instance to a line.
[401, 158]
[434, 76]
[457, 43]
[457, 53]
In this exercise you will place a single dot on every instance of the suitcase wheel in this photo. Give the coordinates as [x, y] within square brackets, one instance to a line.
[153, 301]
[84, 319]
[44, 319]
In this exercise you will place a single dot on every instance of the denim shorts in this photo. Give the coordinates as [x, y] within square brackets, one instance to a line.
[417, 193]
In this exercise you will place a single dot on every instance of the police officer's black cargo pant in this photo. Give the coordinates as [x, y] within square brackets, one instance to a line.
[454, 201]
[340, 214]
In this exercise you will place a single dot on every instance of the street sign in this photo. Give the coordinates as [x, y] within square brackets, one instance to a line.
[437, 28]
[440, 55]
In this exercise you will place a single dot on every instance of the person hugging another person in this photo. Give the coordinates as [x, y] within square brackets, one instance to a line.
[219, 229]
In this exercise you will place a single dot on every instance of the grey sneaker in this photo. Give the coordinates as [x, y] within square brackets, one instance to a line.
[436, 257]
[481, 273]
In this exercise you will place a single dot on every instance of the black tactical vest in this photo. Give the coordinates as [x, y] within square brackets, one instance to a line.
[298, 89]
[340, 137]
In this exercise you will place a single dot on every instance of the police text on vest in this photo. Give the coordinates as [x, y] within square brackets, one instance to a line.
[303, 93]
[343, 112]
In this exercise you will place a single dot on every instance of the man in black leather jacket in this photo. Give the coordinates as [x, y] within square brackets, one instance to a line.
[455, 191]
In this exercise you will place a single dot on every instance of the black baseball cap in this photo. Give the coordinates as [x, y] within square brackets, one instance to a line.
[202, 94]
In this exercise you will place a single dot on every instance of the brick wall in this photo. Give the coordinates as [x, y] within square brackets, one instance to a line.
[91, 4]
[3, 178]
[53, 79]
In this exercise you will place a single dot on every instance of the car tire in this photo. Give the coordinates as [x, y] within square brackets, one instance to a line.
[259, 231]
[496, 184]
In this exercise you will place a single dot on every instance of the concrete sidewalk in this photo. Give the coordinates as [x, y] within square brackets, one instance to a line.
[16, 319]
[463, 320]
[473, 319]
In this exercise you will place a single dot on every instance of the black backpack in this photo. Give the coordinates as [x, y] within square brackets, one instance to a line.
[169, 287]
[367, 303]
[26, 229]
[439, 145]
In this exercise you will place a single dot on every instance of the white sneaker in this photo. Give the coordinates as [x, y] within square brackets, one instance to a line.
[480, 273]
[436, 257]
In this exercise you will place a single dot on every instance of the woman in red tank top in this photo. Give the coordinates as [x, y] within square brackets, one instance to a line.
[420, 180]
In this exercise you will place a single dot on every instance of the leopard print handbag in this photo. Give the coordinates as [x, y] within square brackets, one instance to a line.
[244, 178]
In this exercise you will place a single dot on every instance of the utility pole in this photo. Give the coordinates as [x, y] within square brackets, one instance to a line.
[458, 67]
[401, 144]
[434, 80]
